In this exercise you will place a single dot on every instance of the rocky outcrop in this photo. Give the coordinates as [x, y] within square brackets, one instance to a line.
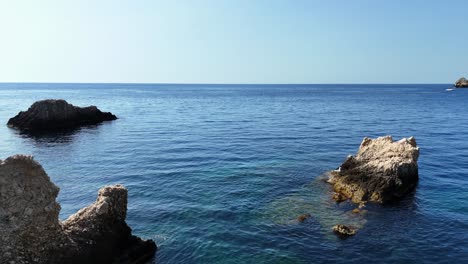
[382, 171]
[49, 115]
[30, 230]
[344, 231]
[461, 83]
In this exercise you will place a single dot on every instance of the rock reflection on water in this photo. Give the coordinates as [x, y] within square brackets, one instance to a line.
[63, 136]
[315, 199]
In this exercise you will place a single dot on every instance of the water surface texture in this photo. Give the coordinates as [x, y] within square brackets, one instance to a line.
[219, 173]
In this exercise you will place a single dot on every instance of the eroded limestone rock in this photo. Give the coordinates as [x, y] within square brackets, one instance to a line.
[50, 115]
[30, 231]
[382, 171]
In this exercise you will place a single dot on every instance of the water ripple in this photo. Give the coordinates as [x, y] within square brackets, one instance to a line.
[218, 174]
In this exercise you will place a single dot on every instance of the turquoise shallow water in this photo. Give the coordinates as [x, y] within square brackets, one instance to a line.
[219, 173]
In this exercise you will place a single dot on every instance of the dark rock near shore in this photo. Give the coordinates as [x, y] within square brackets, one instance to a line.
[50, 115]
[30, 231]
[338, 197]
[382, 171]
[461, 83]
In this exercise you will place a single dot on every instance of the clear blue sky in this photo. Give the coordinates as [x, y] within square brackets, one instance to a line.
[236, 41]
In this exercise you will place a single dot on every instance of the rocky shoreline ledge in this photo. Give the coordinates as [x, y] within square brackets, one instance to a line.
[30, 231]
[51, 114]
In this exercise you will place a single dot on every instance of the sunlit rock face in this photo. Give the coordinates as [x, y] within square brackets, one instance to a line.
[50, 115]
[30, 231]
[382, 171]
[344, 231]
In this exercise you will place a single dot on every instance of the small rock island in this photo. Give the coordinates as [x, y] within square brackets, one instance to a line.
[30, 230]
[344, 231]
[382, 171]
[50, 115]
[461, 83]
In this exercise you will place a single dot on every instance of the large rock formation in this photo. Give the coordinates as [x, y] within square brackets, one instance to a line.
[382, 171]
[30, 231]
[461, 83]
[47, 115]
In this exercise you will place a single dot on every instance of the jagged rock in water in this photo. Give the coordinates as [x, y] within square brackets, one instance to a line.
[344, 231]
[461, 83]
[382, 171]
[49, 115]
[30, 230]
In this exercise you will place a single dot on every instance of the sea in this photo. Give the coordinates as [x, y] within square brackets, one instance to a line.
[220, 173]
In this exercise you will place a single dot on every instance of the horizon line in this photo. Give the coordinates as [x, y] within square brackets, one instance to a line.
[202, 83]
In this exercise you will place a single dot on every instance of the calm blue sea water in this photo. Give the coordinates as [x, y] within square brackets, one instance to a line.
[219, 173]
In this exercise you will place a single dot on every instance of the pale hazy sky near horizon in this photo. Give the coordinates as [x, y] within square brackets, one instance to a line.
[233, 41]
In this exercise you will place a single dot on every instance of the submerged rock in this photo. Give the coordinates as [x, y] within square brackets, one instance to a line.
[461, 83]
[303, 217]
[382, 171]
[49, 115]
[30, 231]
[344, 231]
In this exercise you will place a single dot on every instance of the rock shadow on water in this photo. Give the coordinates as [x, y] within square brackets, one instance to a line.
[62, 136]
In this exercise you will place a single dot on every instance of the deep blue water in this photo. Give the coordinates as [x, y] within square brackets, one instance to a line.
[219, 173]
